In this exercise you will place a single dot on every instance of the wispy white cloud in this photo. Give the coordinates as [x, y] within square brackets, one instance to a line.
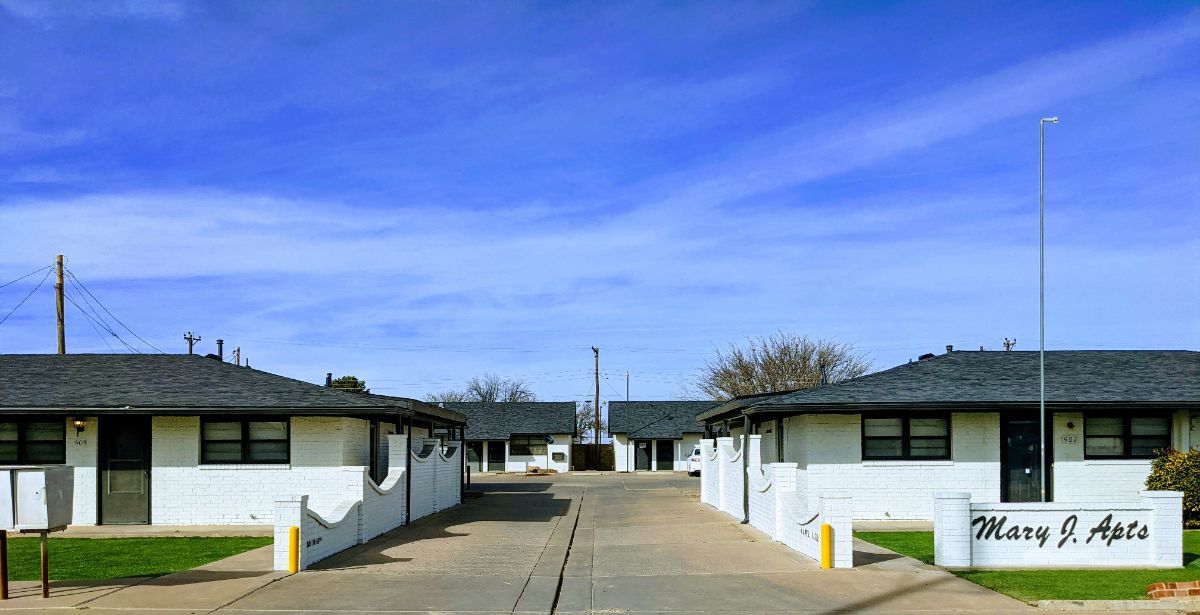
[47, 12]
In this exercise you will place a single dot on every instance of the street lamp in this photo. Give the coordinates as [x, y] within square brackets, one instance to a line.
[1042, 300]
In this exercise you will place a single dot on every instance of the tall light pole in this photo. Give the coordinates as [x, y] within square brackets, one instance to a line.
[1042, 301]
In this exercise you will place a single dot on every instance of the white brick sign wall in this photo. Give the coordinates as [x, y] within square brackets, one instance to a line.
[1146, 534]
[372, 509]
[776, 508]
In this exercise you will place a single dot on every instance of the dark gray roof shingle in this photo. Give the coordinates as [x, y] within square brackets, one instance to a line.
[172, 382]
[973, 377]
[499, 420]
[656, 419]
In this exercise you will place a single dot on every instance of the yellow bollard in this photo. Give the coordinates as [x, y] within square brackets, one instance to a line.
[826, 546]
[293, 550]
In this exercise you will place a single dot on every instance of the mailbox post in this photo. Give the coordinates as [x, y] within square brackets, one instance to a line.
[34, 500]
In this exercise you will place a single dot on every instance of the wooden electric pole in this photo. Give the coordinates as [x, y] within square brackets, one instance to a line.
[62, 313]
[596, 427]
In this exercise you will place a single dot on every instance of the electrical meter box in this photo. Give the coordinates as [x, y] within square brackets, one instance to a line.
[36, 498]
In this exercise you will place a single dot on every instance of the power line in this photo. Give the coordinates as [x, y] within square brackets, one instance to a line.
[93, 325]
[102, 324]
[34, 272]
[109, 312]
[18, 306]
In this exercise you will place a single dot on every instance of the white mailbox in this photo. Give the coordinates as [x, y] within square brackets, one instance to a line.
[34, 498]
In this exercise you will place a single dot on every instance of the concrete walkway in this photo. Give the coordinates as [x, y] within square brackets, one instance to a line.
[615, 543]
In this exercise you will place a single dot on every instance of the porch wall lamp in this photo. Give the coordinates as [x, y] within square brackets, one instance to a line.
[79, 423]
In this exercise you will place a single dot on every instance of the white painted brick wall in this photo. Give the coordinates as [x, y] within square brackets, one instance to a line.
[1067, 539]
[1087, 480]
[729, 461]
[622, 452]
[773, 505]
[424, 481]
[447, 478]
[383, 504]
[82, 453]
[887, 490]
[710, 487]
[186, 493]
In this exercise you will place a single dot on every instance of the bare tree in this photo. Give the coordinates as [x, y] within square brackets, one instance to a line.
[488, 387]
[779, 362]
[585, 420]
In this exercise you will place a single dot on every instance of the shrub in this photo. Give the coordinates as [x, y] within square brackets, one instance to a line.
[1179, 471]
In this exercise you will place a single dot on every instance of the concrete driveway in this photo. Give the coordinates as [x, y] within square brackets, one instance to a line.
[615, 543]
[636, 543]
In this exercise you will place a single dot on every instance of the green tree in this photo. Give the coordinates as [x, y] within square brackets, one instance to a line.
[350, 383]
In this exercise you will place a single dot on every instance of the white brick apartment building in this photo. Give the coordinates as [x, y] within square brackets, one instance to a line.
[513, 436]
[968, 422]
[654, 435]
[185, 439]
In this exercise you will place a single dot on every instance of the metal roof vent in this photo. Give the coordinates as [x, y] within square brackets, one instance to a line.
[949, 348]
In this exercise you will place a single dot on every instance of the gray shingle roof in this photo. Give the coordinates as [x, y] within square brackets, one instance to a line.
[656, 419]
[1144, 377]
[499, 420]
[172, 382]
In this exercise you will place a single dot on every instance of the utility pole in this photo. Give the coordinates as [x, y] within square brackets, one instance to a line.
[1008, 344]
[62, 313]
[596, 427]
[626, 385]
[191, 340]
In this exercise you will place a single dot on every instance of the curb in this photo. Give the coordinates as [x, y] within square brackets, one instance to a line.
[1165, 604]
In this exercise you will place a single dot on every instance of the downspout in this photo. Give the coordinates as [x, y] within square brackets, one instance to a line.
[462, 467]
[745, 467]
[408, 468]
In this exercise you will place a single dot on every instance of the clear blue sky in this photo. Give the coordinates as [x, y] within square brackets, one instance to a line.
[419, 192]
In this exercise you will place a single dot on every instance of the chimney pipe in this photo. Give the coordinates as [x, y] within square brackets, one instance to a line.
[328, 379]
[949, 348]
[221, 349]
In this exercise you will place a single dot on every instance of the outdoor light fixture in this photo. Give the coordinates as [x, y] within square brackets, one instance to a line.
[79, 424]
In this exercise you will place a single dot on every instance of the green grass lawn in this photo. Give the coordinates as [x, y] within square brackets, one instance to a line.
[111, 558]
[1031, 585]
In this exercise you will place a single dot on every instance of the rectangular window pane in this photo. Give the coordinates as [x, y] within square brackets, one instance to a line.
[45, 431]
[223, 431]
[222, 452]
[45, 452]
[1150, 426]
[1104, 446]
[8, 432]
[268, 430]
[8, 452]
[1105, 426]
[928, 447]
[1146, 446]
[882, 427]
[268, 452]
[928, 427]
[881, 448]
